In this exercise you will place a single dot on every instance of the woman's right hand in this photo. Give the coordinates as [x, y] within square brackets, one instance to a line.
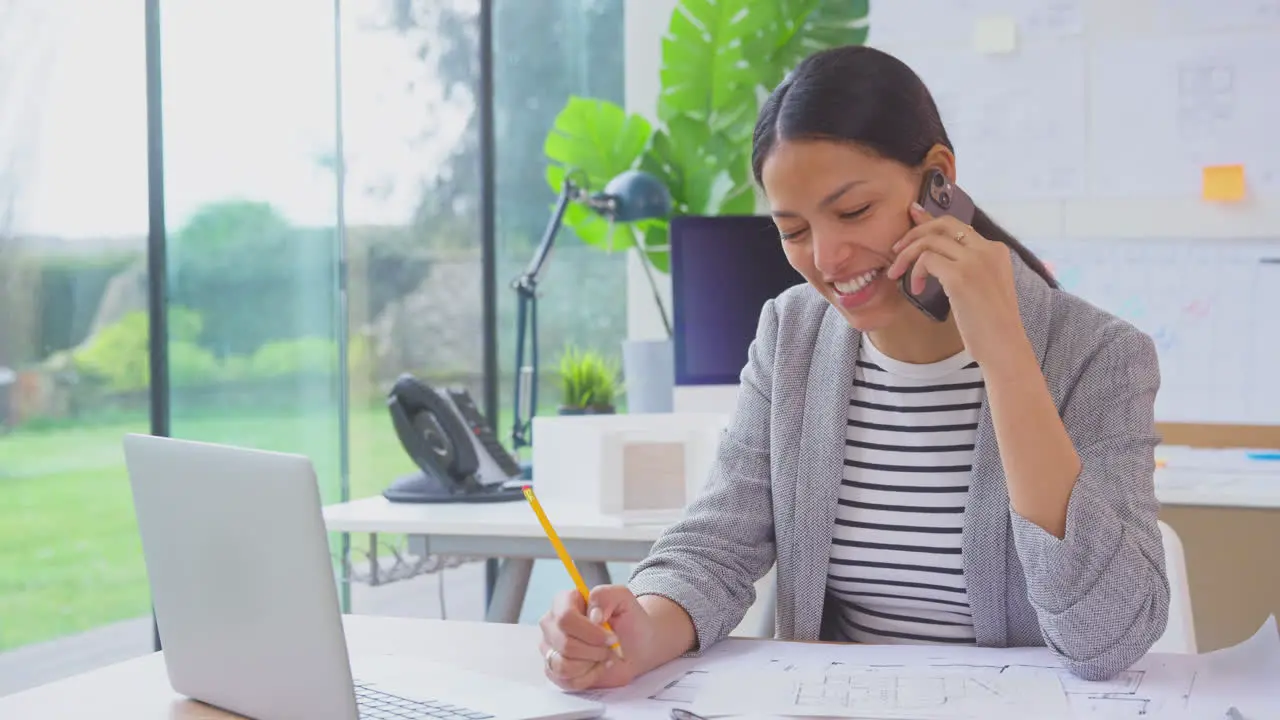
[576, 648]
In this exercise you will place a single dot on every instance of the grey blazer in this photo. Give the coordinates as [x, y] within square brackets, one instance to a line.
[1098, 598]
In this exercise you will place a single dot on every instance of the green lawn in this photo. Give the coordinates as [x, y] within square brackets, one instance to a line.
[70, 558]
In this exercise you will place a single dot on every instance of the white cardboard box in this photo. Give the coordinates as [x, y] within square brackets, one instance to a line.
[641, 467]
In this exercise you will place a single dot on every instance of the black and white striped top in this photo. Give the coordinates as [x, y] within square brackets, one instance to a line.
[896, 547]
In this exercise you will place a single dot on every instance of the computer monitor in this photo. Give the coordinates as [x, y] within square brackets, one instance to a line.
[723, 270]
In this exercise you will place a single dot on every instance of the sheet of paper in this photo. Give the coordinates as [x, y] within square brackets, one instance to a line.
[927, 693]
[1189, 294]
[1163, 108]
[1244, 676]
[997, 35]
[911, 681]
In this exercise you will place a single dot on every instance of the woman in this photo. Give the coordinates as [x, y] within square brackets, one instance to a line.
[986, 479]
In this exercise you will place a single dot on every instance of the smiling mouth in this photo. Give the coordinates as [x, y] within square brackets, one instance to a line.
[858, 282]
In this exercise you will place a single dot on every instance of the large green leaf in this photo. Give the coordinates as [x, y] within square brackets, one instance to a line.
[597, 138]
[594, 140]
[704, 73]
[791, 30]
[705, 171]
[716, 55]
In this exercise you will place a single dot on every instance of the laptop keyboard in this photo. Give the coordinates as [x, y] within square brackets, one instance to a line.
[378, 705]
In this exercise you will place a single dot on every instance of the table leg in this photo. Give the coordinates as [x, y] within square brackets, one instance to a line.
[594, 573]
[509, 590]
[490, 579]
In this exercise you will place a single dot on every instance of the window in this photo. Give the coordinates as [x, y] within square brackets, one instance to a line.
[252, 227]
[267, 347]
[544, 52]
[73, 335]
[411, 142]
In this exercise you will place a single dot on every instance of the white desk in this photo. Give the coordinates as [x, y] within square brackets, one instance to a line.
[510, 530]
[1217, 488]
[139, 689]
[507, 530]
[1212, 477]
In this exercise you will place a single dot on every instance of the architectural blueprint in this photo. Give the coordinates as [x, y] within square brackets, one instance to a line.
[918, 693]
[942, 683]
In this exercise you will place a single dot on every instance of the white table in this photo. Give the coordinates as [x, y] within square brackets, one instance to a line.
[507, 530]
[1216, 478]
[510, 531]
[1218, 489]
[139, 689]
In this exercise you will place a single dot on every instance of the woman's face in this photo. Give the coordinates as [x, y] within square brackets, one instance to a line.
[839, 210]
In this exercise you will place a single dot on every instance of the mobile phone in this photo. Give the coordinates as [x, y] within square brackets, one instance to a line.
[939, 196]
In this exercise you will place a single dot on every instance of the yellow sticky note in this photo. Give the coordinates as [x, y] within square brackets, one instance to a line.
[1223, 183]
[996, 35]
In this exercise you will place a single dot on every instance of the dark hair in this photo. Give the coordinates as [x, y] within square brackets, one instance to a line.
[857, 94]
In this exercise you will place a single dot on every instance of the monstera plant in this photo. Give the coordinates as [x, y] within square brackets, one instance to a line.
[719, 57]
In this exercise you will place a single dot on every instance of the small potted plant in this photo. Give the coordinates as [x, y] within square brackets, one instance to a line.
[588, 383]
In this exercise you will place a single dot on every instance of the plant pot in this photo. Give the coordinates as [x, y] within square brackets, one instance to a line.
[602, 410]
[648, 369]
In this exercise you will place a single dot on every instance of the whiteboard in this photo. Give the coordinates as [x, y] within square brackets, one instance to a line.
[1087, 128]
[1119, 100]
[1211, 305]
[1162, 108]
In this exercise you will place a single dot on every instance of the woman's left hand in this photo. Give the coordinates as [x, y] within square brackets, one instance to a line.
[976, 273]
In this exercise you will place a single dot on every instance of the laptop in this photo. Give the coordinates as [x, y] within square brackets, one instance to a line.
[246, 602]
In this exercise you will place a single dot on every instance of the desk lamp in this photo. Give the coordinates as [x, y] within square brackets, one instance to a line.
[631, 196]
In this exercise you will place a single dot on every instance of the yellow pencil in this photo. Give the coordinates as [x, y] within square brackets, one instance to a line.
[564, 556]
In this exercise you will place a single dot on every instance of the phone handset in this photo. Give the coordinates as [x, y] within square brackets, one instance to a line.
[938, 196]
[452, 444]
[431, 431]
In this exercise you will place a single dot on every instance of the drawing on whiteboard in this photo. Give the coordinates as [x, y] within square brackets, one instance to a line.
[1238, 15]
[1198, 309]
[1165, 338]
[1053, 17]
[1189, 296]
[1019, 128]
[1206, 98]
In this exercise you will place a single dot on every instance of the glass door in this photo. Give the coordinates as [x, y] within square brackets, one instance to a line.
[73, 335]
[254, 236]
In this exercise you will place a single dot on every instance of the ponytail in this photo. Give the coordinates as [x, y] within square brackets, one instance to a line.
[987, 228]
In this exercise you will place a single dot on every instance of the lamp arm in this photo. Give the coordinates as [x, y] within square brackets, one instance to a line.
[568, 192]
[526, 287]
